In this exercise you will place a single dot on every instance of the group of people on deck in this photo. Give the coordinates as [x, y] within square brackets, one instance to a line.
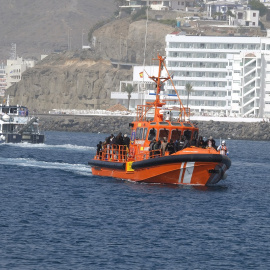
[161, 146]
[118, 140]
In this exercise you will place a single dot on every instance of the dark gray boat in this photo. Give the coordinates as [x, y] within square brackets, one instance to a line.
[17, 126]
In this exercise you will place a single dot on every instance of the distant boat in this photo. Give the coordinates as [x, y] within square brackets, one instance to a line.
[138, 161]
[17, 126]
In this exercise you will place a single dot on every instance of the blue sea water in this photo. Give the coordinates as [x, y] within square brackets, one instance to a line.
[54, 214]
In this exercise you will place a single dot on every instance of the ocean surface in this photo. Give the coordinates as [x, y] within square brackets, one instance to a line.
[54, 214]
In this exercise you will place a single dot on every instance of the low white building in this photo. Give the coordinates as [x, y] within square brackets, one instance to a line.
[244, 16]
[159, 5]
[15, 68]
[220, 7]
[144, 88]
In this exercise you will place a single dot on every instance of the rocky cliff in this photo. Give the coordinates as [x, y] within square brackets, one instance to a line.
[65, 81]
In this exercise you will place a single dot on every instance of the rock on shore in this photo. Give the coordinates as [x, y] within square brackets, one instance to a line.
[115, 124]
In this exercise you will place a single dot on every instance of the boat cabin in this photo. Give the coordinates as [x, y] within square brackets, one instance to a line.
[144, 132]
[13, 110]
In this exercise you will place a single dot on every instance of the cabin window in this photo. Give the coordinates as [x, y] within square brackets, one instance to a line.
[139, 133]
[164, 133]
[153, 123]
[164, 123]
[13, 110]
[152, 134]
[176, 135]
[176, 124]
[145, 133]
[188, 133]
[187, 125]
[5, 110]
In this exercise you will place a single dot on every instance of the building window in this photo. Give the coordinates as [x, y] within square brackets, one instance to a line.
[254, 14]
[240, 16]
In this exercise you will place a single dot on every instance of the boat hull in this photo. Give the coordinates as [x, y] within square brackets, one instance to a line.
[174, 169]
[19, 138]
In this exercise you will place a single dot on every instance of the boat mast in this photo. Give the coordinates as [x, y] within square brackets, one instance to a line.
[159, 81]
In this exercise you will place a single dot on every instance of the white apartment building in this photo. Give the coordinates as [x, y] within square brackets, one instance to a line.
[251, 84]
[229, 75]
[15, 68]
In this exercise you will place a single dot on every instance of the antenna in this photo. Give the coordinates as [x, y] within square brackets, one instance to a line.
[13, 53]
[145, 37]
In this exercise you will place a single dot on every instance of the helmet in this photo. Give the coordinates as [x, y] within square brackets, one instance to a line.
[223, 142]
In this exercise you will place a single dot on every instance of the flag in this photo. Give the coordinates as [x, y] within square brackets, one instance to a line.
[141, 74]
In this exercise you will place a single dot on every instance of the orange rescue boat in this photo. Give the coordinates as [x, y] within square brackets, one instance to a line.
[189, 166]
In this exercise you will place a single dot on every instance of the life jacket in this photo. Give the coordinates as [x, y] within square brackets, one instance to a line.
[223, 150]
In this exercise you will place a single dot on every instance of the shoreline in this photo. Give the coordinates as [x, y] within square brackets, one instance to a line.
[259, 131]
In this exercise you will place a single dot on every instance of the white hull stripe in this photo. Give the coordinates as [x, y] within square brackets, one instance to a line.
[181, 172]
[188, 172]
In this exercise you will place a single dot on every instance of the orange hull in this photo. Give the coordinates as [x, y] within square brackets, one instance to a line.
[183, 173]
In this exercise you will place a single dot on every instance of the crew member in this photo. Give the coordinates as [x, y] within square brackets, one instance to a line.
[99, 148]
[223, 149]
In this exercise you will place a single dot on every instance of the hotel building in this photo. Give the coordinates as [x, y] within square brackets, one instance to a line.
[229, 75]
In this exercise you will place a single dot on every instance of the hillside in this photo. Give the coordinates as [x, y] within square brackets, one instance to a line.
[41, 27]
[85, 79]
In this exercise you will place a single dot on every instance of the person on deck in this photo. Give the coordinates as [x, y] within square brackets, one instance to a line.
[163, 146]
[99, 149]
[223, 148]
[157, 147]
[211, 142]
[186, 142]
[151, 148]
[176, 145]
[181, 143]
[170, 147]
[112, 139]
[194, 141]
[119, 139]
[201, 142]
[126, 140]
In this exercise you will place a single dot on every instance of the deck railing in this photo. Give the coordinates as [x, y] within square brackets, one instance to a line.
[114, 153]
[121, 153]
